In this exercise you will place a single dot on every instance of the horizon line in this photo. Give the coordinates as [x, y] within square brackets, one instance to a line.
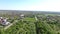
[29, 10]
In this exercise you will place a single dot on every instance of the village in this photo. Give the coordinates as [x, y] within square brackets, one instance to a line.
[22, 21]
[12, 23]
[4, 21]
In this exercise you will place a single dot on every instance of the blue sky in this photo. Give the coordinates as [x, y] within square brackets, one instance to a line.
[38, 5]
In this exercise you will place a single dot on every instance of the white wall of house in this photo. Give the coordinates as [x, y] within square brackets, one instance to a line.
[4, 21]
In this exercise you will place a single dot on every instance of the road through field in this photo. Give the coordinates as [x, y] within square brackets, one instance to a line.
[36, 18]
[14, 23]
[10, 24]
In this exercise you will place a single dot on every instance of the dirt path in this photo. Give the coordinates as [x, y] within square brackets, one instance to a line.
[14, 23]
[36, 18]
[10, 25]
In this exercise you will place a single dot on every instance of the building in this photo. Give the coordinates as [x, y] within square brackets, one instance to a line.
[3, 21]
[22, 16]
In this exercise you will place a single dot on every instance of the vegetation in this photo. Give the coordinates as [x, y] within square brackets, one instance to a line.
[21, 28]
[46, 24]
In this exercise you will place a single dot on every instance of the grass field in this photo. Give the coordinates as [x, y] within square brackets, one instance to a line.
[29, 19]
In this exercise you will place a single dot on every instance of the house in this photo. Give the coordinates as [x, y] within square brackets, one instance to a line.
[22, 16]
[3, 21]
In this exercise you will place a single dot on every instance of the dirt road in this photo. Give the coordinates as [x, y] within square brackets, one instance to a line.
[10, 24]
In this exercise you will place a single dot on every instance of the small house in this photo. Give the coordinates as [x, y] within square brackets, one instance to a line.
[22, 16]
[3, 21]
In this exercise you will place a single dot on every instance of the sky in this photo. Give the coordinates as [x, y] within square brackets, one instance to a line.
[33, 5]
